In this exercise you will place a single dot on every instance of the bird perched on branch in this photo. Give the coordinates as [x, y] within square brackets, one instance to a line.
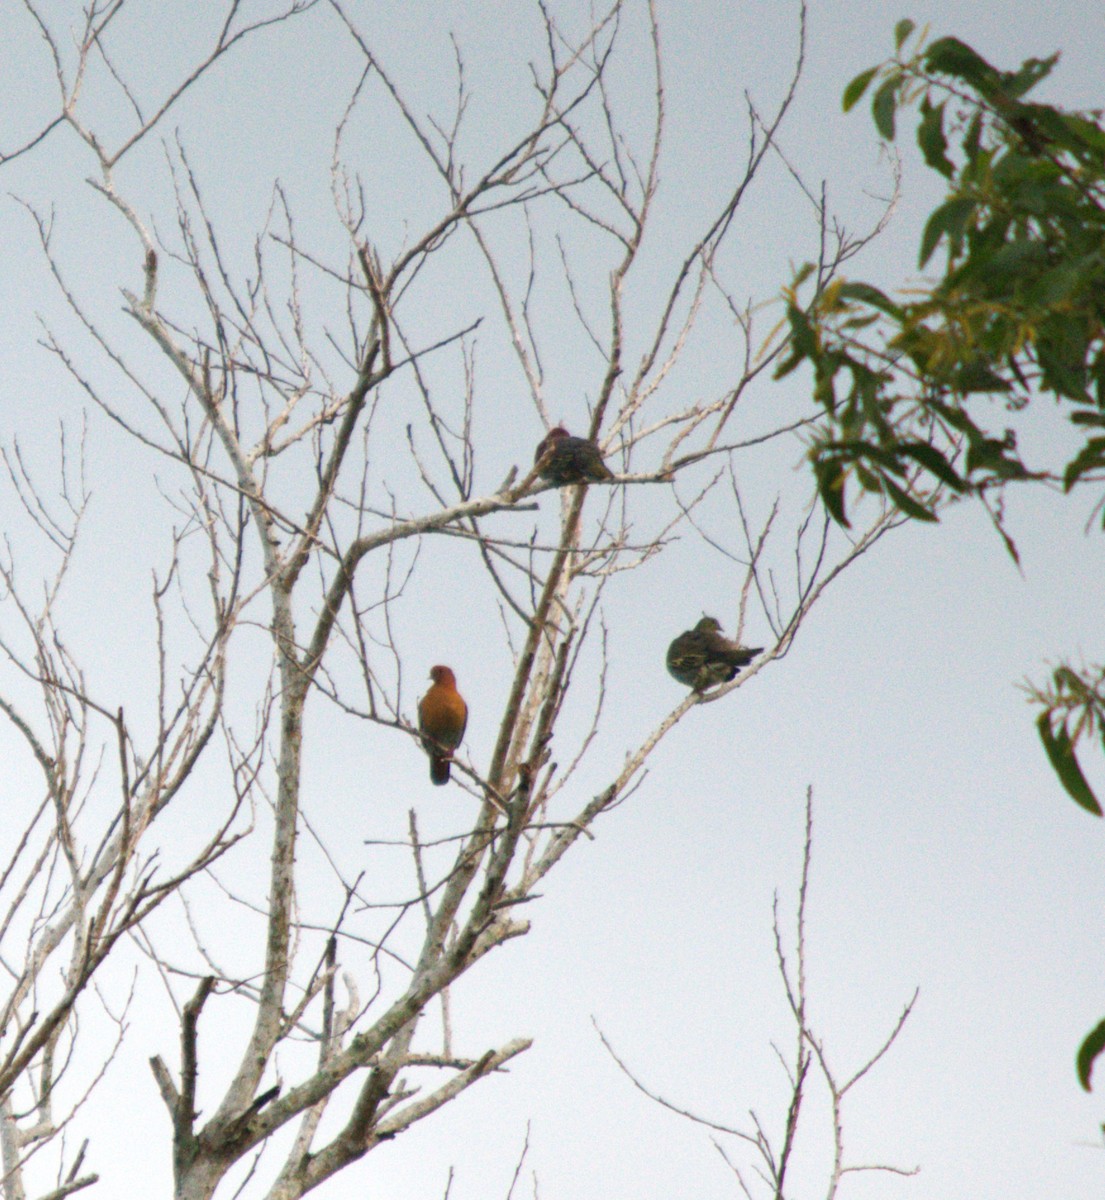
[563, 459]
[702, 656]
[442, 716]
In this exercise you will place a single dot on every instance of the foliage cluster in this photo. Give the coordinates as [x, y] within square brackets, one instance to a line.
[921, 394]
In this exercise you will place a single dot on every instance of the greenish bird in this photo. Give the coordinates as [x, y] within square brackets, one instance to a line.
[702, 657]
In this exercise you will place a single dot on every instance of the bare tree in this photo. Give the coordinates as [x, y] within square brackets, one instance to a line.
[318, 426]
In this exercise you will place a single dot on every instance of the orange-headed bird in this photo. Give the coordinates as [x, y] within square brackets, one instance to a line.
[442, 716]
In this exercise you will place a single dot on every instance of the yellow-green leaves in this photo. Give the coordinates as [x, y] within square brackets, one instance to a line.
[854, 91]
[908, 387]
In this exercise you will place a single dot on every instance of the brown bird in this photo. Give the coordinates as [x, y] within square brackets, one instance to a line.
[702, 656]
[563, 459]
[442, 716]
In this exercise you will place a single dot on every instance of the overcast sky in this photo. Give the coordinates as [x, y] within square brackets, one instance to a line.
[946, 858]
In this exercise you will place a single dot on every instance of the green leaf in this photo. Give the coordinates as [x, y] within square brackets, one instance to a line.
[901, 31]
[1083, 132]
[972, 139]
[869, 480]
[950, 218]
[956, 418]
[1087, 1052]
[1091, 456]
[803, 342]
[1060, 752]
[934, 462]
[950, 56]
[857, 87]
[905, 503]
[1062, 346]
[977, 377]
[1097, 376]
[1010, 545]
[1015, 260]
[883, 105]
[992, 454]
[887, 459]
[824, 387]
[1031, 72]
[860, 322]
[830, 486]
[1056, 285]
[931, 139]
[806, 271]
[1070, 683]
[867, 294]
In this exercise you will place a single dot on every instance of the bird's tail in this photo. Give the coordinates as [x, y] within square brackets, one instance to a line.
[439, 769]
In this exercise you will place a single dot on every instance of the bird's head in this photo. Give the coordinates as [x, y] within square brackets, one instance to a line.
[443, 675]
[549, 441]
[708, 625]
[554, 435]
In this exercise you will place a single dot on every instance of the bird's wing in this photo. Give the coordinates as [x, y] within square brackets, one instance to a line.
[686, 652]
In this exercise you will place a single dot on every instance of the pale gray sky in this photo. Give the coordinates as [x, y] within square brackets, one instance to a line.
[946, 857]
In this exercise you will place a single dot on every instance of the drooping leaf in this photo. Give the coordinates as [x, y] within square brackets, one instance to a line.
[854, 91]
[1091, 1047]
[1003, 533]
[950, 218]
[1060, 753]
[883, 104]
[801, 331]
[831, 477]
[824, 387]
[803, 341]
[1089, 458]
[1062, 346]
[931, 139]
[956, 418]
[934, 462]
[869, 480]
[909, 505]
[972, 139]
